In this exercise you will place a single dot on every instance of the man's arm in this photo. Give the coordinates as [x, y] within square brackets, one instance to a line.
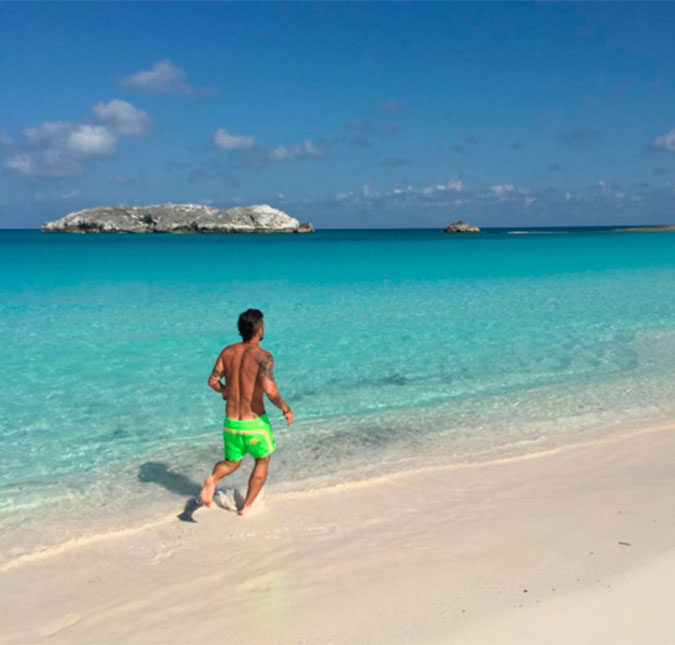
[270, 387]
[216, 376]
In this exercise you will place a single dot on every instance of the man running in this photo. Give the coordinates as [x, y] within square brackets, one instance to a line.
[248, 372]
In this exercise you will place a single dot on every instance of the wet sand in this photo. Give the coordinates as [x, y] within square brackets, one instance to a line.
[576, 544]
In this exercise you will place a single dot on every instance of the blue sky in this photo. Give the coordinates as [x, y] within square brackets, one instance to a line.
[345, 114]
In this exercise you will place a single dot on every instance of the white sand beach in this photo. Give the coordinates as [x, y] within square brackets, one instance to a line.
[571, 545]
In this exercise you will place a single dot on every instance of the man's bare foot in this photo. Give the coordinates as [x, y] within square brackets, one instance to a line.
[244, 510]
[208, 490]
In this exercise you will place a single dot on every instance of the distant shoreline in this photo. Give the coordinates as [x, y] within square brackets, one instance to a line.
[644, 229]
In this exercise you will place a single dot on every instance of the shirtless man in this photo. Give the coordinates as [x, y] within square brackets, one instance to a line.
[248, 372]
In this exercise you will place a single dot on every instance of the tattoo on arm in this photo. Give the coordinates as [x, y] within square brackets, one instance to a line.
[267, 371]
[217, 374]
[267, 367]
[278, 401]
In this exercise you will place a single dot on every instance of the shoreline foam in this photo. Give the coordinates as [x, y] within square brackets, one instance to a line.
[522, 450]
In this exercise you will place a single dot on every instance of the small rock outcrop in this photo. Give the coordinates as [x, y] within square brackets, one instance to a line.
[461, 227]
[306, 227]
[178, 218]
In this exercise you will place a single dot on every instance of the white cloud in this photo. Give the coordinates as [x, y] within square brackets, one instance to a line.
[50, 163]
[48, 132]
[162, 78]
[71, 194]
[251, 156]
[227, 141]
[502, 189]
[415, 204]
[58, 149]
[666, 142]
[368, 193]
[21, 164]
[92, 140]
[124, 117]
[455, 185]
[403, 195]
[450, 195]
[301, 151]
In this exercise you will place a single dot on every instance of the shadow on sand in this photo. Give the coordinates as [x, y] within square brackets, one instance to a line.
[229, 499]
[159, 473]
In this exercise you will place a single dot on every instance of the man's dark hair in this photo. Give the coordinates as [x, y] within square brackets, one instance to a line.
[249, 322]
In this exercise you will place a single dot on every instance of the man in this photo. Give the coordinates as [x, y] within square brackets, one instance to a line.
[248, 372]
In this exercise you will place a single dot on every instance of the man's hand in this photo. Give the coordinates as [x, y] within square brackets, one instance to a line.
[289, 416]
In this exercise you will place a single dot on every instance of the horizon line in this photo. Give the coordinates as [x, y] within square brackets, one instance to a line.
[383, 228]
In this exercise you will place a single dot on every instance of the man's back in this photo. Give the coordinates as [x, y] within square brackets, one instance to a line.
[242, 364]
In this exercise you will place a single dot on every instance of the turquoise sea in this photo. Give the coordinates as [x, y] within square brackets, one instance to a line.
[394, 347]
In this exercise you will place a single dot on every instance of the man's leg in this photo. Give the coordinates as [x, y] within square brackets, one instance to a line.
[220, 470]
[255, 483]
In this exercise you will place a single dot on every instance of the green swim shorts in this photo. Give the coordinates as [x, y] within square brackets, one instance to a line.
[248, 436]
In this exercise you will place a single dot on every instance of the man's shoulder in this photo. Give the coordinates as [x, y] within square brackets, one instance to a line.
[262, 357]
[229, 351]
[258, 353]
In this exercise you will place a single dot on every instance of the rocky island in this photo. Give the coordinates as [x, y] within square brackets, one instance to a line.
[461, 227]
[178, 218]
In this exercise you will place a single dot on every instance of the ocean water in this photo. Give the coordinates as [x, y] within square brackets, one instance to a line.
[391, 346]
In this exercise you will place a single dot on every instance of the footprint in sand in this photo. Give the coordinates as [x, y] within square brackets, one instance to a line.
[162, 553]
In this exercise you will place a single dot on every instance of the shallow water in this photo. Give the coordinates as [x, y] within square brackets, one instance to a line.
[388, 345]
